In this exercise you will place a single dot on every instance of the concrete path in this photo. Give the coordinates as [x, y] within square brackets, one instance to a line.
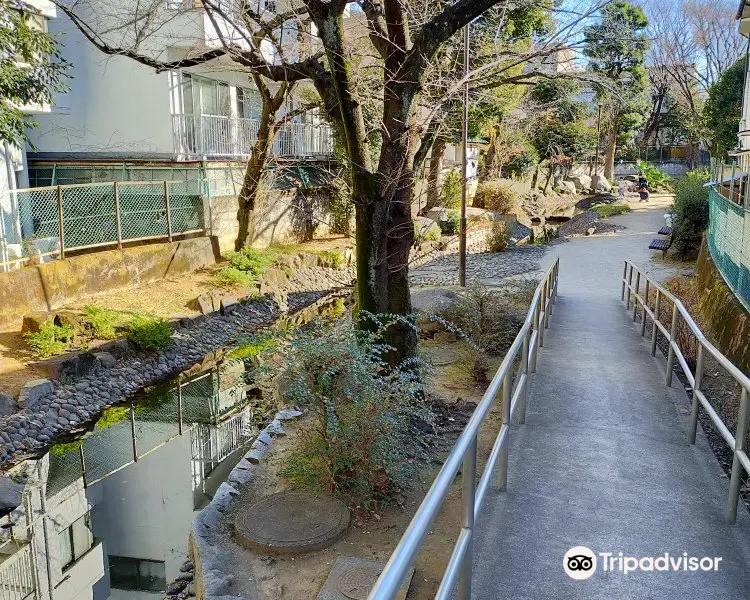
[603, 460]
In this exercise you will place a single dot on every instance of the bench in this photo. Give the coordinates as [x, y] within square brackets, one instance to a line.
[661, 244]
[666, 230]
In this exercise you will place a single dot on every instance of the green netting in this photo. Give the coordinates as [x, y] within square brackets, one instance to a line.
[89, 214]
[729, 243]
[64, 467]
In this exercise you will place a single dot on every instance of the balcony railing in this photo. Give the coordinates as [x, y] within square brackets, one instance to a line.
[225, 137]
[17, 581]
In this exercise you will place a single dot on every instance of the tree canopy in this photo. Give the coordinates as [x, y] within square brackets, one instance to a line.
[724, 108]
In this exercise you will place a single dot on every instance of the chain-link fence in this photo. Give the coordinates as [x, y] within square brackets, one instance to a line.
[127, 433]
[729, 243]
[51, 220]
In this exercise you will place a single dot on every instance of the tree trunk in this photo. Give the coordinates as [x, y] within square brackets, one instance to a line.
[435, 170]
[609, 153]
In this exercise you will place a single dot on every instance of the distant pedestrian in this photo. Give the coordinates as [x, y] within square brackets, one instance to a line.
[622, 189]
[643, 188]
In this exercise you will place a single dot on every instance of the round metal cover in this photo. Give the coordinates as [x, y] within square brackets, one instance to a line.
[356, 583]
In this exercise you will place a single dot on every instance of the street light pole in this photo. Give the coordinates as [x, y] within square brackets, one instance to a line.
[465, 166]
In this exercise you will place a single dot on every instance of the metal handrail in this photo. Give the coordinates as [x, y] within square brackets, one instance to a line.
[464, 457]
[736, 442]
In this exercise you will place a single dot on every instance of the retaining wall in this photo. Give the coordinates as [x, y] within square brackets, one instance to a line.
[723, 314]
[55, 284]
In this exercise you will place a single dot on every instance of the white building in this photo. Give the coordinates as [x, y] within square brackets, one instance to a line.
[743, 153]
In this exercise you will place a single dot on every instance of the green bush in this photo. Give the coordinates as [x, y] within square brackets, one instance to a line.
[149, 333]
[233, 277]
[334, 258]
[450, 193]
[495, 195]
[452, 224]
[362, 445]
[498, 238]
[610, 210]
[658, 180]
[50, 340]
[102, 322]
[256, 345]
[690, 213]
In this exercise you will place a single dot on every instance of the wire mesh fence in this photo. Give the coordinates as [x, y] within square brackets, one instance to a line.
[729, 243]
[127, 433]
[48, 221]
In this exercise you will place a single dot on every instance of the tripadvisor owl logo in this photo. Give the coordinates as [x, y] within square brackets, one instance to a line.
[579, 562]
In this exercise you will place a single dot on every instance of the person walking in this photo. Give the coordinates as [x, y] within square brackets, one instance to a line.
[643, 188]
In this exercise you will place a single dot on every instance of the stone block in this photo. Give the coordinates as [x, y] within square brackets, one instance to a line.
[105, 359]
[228, 305]
[7, 405]
[205, 304]
[33, 391]
[33, 322]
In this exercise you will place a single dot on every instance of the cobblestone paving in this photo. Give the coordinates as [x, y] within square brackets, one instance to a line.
[487, 268]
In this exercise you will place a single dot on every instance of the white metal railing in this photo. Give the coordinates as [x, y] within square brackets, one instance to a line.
[218, 136]
[632, 291]
[17, 581]
[513, 388]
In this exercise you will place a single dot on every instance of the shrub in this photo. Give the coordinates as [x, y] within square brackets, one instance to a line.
[452, 224]
[690, 213]
[658, 180]
[489, 319]
[51, 339]
[424, 232]
[252, 260]
[102, 322]
[333, 257]
[495, 195]
[498, 238]
[233, 277]
[149, 333]
[450, 193]
[256, 345]
[364, 413]
[610, 210]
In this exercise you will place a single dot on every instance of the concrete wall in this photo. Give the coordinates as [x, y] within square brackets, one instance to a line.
[57, 283]
[146, 509]
[726, 318]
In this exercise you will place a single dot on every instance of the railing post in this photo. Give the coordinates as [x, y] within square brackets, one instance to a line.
[630, 283]
[83, 465]
[532, 357]
[670, 353]
[179, 407]
[635, 295]
[731, 188]
[547, 303]
[557, 280]
[60, 221]
[624, 277]
[643, 312]
[469, 476]
[502, 461]
[132, 432]
[117, 215]
[540, 321]
[169, 213]
[737, 468]
[694, 409]
[654, 328]
[525, 375]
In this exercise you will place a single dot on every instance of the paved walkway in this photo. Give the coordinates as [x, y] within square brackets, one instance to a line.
[603, 460]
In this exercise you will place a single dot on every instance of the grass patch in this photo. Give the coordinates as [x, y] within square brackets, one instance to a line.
[610, 210]
[246, 266]
[333, 257]
[255, 346]
[102, 322]
[50, 340]
[149, 333]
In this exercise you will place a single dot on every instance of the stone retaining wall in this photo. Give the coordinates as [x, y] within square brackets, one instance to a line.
[54, 284]
[726, 318]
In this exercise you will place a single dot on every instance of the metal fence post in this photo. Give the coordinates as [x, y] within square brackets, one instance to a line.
[83, 465]
[547, 304]
[179, 407]
[643, 313]
[118, 225]
[502, 461]
[624, 277]
[654, 328]
[737, 468]
[469, 476]
[670, 353]
[169, 214]
[635, 295]
[525, 374]
[132, 431]
[533, 351]
[731, 187]
[60, 221]
[694, 409]
[540, 321]
[630, 283]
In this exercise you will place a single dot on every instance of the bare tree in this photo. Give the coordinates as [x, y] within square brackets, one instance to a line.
[405, 37]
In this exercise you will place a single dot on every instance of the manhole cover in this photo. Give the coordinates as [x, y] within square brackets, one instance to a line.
[294, 521]
[356, 583]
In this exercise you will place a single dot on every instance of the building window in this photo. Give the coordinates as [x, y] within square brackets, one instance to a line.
[137, 574]
[249, 105]
[75, 541]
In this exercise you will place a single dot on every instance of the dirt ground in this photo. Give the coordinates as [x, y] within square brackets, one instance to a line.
[168, 298]
[302, 576]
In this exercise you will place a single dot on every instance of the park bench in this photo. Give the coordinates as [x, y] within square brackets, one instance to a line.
[662, 244]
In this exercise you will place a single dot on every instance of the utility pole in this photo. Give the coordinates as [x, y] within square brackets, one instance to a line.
[465, 166]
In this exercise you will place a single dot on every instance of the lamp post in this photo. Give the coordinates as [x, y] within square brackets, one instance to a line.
[464, 166]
